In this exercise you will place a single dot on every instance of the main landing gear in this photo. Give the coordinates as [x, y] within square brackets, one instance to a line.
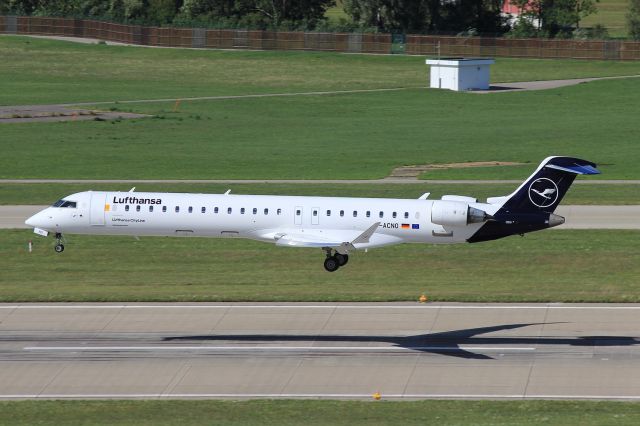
[59, 247]
[334, 260]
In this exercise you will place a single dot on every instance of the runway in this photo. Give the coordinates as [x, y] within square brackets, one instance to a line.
[577, 217]
[350, 351]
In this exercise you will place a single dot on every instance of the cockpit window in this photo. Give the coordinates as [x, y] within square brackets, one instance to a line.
[65, 203]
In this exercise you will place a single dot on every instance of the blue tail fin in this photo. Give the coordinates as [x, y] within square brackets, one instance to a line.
[530, 207]
[546, 187]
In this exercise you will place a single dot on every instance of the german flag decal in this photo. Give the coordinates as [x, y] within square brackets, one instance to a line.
[405, 226]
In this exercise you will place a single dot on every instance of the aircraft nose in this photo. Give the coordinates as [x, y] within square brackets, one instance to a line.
[30, 222]
[38, 220]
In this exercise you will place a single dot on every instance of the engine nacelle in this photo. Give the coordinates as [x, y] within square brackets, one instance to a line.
[456, 213]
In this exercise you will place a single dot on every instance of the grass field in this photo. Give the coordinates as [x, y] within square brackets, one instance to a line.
[578, 267]
[290, 412]
[357, 136]
[47, 71]
[311, 137]
[44, 194]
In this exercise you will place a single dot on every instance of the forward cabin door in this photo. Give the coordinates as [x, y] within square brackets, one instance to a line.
[98, 207]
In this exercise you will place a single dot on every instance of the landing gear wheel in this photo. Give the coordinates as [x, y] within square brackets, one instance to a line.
[59, 248]
[342, 258]
[331, 264]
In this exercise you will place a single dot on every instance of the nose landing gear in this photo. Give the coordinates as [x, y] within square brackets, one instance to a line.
[59, 247]
[334, 260]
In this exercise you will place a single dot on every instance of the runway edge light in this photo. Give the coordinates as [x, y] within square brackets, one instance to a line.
[422, 298]
[377, 396]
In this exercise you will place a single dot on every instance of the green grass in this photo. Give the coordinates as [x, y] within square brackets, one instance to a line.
[44, 194]
[307, 412]
[611, 14]
[357, 136]
[47, 71]
[340, 136]
[578, 267]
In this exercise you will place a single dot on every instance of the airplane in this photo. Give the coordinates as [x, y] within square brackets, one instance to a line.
[337, 225]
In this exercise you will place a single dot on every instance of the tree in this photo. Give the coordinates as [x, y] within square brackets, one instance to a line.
[633, 19]
[556, 18]
[418, 16]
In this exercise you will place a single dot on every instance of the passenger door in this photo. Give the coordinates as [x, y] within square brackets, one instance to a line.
[96, 212]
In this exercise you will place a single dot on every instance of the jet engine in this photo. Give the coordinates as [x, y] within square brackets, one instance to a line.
[456, 213]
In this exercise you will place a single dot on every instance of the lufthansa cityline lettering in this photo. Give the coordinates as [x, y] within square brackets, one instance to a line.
[136, 200]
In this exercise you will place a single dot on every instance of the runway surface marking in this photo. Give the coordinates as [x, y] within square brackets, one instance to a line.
[314, 396]
[270, 348]
[329, 307]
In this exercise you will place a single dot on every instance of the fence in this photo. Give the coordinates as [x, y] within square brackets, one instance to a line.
[337, 42]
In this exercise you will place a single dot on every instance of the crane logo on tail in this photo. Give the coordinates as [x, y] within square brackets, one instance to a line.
[543, 192]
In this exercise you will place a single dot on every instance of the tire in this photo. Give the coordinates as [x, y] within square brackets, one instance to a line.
[59, 248]
[331, 264]
[342, 258]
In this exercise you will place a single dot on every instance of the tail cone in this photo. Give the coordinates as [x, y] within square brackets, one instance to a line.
[555, 220]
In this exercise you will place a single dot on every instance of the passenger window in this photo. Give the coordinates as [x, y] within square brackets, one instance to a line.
[204, 210]
[177, 209]
[406, 215]
[242, 210]
[341, 213]
[355, 213]
[126, 208]
[229, 210]
[266, 211]
[164, 209]
[215, 210]
[368, 213]
[255, 211]
[150, 209]
[279, 212]
[138, 208]
[328, 212]
[315, 213]
[190, 209]
[381, 215]
[394, 215]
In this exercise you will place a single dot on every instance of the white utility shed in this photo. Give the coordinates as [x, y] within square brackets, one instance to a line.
[460, 73]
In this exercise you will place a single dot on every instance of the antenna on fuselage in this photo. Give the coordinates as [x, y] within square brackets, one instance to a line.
[228, 192]
[132, 189]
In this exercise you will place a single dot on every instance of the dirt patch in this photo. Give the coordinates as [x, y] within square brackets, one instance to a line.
[47, 113]
[412, 172]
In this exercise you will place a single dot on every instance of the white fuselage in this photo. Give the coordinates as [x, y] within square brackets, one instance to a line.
[284, 220]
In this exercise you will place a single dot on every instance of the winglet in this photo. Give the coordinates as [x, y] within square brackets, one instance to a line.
[364, 237]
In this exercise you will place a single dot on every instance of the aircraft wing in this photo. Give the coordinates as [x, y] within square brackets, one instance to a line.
[343, 240]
